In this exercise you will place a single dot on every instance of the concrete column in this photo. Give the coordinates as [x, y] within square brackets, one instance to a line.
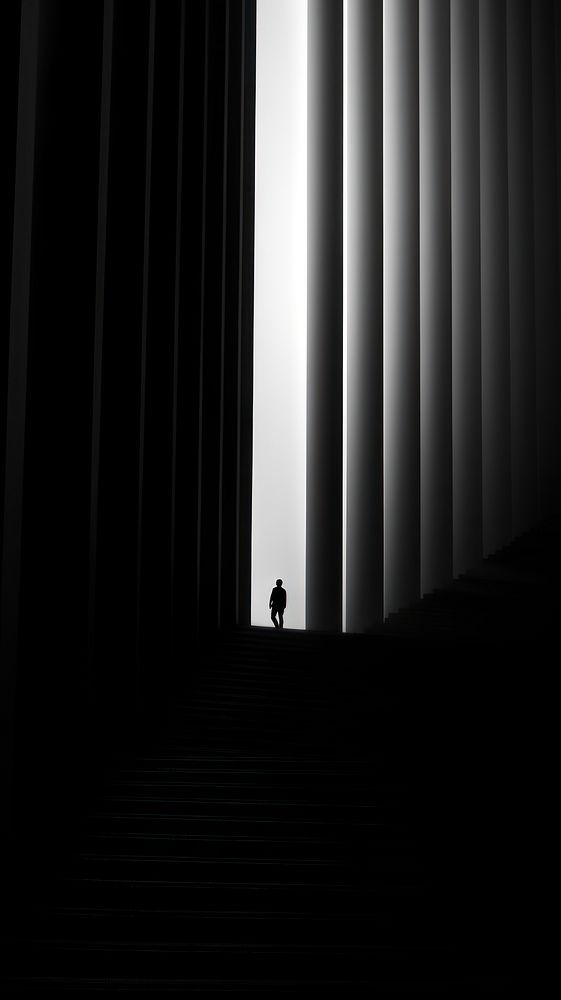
[364, 527]
[17, 392]
[435, 294]
[558, 120]
[325, 316]
[495, 331]
[140, 553]
[118, 489]
[401, 304]
[211, 342]
[521, 267]
[176, 328]
[103, 185]
[245, 314]
[11, 26]
[161, 346]
[466, 289]
[546, 236]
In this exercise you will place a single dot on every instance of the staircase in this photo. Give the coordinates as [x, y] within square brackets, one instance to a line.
[283, 834]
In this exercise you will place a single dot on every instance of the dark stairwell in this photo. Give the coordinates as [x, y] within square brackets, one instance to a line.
[317, 814]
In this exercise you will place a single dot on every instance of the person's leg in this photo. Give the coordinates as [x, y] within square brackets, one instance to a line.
[281, 618]
[273, 617]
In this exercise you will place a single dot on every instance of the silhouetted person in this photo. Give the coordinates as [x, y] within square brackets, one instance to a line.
[277, 604]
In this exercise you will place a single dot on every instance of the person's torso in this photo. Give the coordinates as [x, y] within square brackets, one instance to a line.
[279, 596]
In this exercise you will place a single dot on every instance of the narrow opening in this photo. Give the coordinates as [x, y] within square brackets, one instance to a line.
[279, 390]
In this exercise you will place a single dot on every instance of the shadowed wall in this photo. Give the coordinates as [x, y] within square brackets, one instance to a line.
[324, 412]
[126, 360]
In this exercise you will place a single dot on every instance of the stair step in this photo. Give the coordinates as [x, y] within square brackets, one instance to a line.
[270, 840]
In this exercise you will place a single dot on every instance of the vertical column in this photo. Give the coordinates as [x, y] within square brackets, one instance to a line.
[117, 537]
[364, 527]
[211, 356]
[105, 116]
[158, 376]
[189, 289]
[50, 374]
[466, 287]
[558, 120]
[202, 318]
[521, 267]
[548, 334]
[233, 277]
[325, 316]
[176, 326]
[245, 312]
[223, 297]
[401, 304]
[435, 294]
[495, 335]
[144, 335]
[11, 26]
[17, 384]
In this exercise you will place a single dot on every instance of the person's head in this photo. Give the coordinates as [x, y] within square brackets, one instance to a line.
[279, 583]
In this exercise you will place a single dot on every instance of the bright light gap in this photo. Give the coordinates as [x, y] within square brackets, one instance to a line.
[280, 310]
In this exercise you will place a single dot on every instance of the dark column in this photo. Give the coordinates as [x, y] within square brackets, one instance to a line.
[55, 401]
[435, 294]
[558, 120]
[105, 117]
[364, 527]
[466, 284]
[158, 376]
[245, 315]
[17, 390]
[116, 602]
[402, 569]
[521, 260]
[325, 316]
[221, 360]
[546, 234]
[233, 265]
[211, 343]
[139, 665]
[11, 25]
[56, 488]
[212, 529]
[176, 330]
[189, 332]
[495, 330]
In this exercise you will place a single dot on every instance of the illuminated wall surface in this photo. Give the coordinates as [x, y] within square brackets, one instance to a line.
[279, 427]
[433, 318]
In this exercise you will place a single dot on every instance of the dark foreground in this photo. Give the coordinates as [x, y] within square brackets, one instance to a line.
[317, 815]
